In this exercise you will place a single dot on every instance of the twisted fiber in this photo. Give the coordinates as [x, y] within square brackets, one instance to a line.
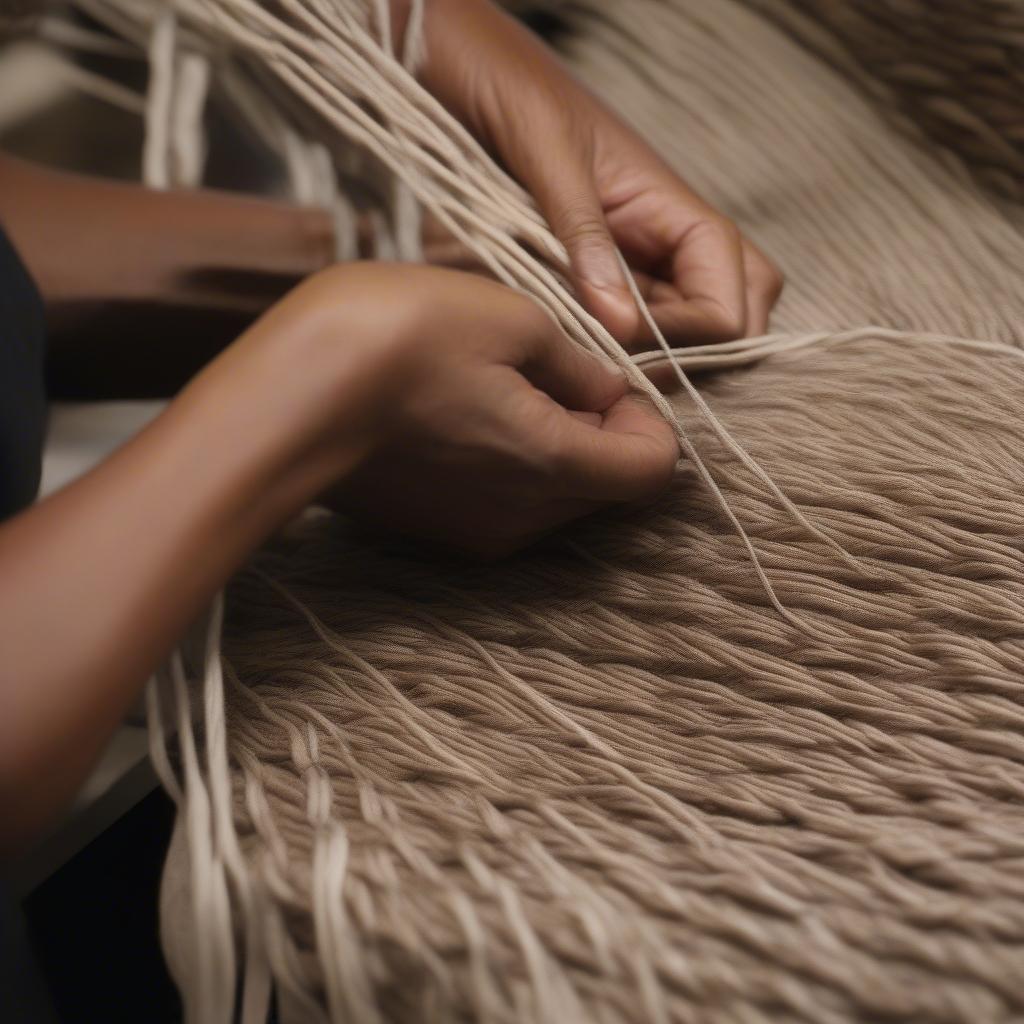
[954, 69]
[609, 782]
[327, 56]
[605, 782]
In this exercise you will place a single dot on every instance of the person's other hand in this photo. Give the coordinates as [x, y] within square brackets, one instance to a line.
[486, 426]
[598, 184]
[432, 402]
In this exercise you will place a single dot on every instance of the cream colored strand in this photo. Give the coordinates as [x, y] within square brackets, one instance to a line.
[56, 30]
[187, 137]
[612, 350]
[392, 139]
[479, 208]
[719, 429]
[159, 101]
[367, 82]
[451, 136]
[240, 32]
[751, 350]
[212, 968]
[96, 85]
[815, 781]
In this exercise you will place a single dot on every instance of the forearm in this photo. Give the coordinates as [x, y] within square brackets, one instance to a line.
[98, 581]
[87, 239]
[462, 42]
[142, 288]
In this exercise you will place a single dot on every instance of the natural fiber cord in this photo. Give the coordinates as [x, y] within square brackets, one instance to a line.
[606, 781]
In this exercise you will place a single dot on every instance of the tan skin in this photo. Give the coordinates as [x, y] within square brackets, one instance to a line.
[598, 183]
[365, 383]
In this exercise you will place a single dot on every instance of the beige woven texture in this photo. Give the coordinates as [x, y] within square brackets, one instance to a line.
[605, 781]
[951, 68]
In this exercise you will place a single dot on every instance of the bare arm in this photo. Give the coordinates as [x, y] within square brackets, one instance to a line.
[142, 287]
[434, 402]
[97, 581]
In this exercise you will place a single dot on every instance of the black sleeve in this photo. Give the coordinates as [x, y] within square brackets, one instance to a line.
[22, 387]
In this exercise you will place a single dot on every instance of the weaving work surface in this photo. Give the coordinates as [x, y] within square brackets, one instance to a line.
[605, 781]
[955, 69]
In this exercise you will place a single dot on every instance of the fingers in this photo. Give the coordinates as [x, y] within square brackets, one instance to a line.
[764, 283]
[604, 444]
[572, 376]
[708, 272]
[630, 457]
[568, 198]
[739, 304]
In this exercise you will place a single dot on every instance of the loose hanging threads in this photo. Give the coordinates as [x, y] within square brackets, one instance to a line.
[327, 56]
[613, 948]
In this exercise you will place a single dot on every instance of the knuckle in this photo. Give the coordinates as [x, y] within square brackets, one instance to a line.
[582, 224]
[766, 277]
[727, 324]
[520, 307]
[726, 229]
[586, 244]
[586, 233]
[535, 318]
[528, 327]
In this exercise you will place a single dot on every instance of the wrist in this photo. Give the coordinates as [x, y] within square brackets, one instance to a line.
[482, 64]
[305, 395]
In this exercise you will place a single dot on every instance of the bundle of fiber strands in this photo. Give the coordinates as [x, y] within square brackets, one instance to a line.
[605, 781]
[954, 69]
[609, 780]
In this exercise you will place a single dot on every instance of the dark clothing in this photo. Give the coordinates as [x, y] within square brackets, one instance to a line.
[22, 427]
[22, 386]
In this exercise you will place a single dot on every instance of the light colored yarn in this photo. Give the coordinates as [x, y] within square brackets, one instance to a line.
[869, 225]
[327, 55]
[606, 781]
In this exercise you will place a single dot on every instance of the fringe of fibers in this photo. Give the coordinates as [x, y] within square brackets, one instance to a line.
[713, 762]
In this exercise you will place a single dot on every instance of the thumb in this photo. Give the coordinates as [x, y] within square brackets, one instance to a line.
[631, 456]
[568, 198]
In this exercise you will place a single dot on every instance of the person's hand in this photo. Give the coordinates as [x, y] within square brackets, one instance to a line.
[432, 402]
[483, 426]
[598, 183]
